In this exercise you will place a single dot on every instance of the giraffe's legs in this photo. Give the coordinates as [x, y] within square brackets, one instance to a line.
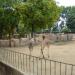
[30, 50]
[48, 51]
[42, 52]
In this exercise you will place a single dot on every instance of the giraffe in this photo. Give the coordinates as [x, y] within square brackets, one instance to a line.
[45, 43]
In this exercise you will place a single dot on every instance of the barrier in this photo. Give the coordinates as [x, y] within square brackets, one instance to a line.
[33, 65]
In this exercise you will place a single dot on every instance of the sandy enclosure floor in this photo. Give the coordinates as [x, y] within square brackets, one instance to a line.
[63, 53]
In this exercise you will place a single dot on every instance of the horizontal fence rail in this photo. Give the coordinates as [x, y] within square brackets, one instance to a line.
[33, 65]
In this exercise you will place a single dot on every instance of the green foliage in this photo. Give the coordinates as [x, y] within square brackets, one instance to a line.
[21, 30]
[71, 23]
[1, 22]
[65, 29]
[70, 14]
[38, 14]
[4, 3]
[28, 17]
[55, 30]
[9, 20]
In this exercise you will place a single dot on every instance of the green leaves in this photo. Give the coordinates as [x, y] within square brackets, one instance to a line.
[39, 13]
[65, 29]
[9, 20]
[29, 16]
[70, 14]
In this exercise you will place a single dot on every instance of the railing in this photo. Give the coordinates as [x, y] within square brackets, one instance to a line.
[33, 65]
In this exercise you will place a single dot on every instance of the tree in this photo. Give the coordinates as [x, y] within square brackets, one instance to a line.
[65, 29]
[55, 30]
[4, 3]
[38, 14]
[71, 23]
[70, 14]
[2, 30]
[9, 20]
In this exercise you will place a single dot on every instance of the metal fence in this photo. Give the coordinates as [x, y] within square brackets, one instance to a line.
[33, 65]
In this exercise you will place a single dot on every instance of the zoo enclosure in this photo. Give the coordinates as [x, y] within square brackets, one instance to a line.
[33, 65]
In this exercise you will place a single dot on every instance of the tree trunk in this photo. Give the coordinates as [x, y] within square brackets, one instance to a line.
[67, 37]
[20, 41]
[9, 40]
[0, 35]
[32, 32]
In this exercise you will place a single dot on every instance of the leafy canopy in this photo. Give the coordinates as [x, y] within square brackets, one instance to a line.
[38, 14]
[70, 14]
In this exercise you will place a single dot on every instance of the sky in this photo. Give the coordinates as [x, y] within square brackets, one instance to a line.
[65, 2]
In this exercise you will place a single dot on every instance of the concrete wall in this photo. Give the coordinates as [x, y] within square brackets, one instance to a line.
[6, 70]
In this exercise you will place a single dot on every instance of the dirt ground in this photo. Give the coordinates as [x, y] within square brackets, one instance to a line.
[62, 51]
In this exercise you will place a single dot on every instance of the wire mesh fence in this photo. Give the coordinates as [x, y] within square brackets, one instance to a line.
[33, 65]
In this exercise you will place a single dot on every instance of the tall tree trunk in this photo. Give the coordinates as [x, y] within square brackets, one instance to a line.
[32, 34]
[32, 31]
[67, 37]
[0, 35]
[9, 40]
[19, 41]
